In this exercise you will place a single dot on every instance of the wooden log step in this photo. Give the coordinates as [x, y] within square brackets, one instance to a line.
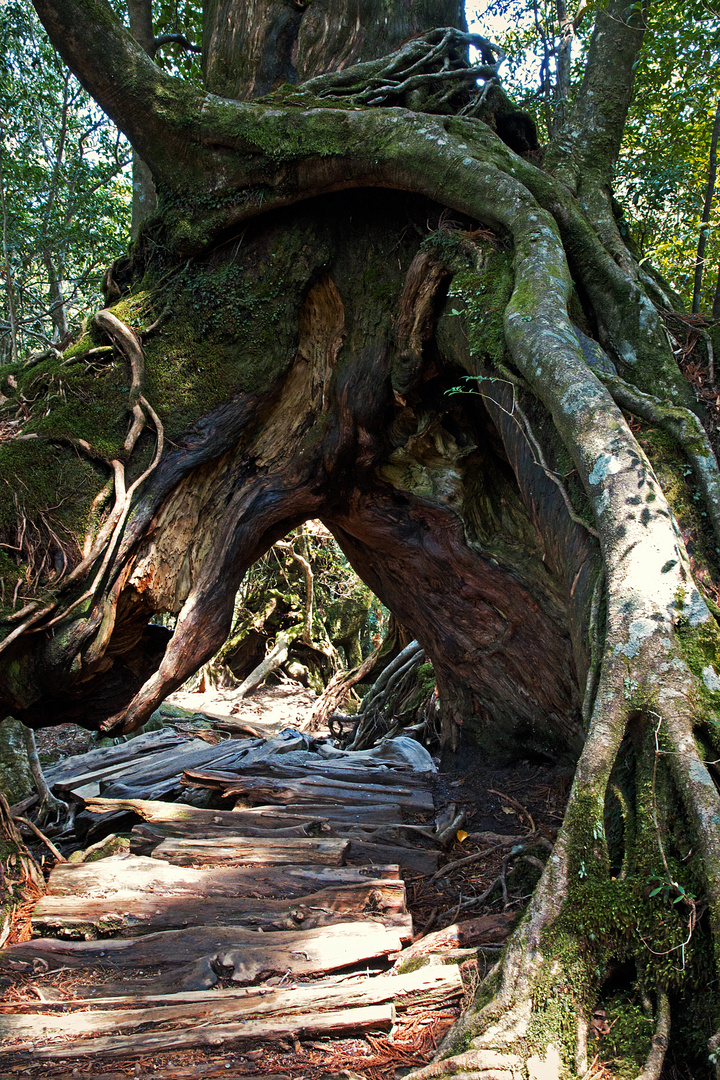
[144, 838]
[375, 814]
[321, 770]
[128, 875]
[362, 853]
[144, 913]
[428, 986]
[244, 953]
[244, 851]
[255, 790]
[264, 817]
[372, 1018]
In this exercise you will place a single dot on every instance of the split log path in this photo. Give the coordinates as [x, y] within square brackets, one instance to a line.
[281, 917]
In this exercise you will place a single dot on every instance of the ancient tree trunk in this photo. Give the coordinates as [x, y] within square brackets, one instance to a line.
[331, 262]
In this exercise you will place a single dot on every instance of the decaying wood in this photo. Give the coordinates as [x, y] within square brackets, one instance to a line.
[246, 953]
[371, 1018]
[145, 838]
[238, 849]
[378, 814]
[265, 817]
[324, 770]
[164, 931]
[426, 986]
[486, 930]
[130, 874]
[158, 770]
[105, 756]
[309, 790]
[411, 988]
[128, 915]
[369, 854]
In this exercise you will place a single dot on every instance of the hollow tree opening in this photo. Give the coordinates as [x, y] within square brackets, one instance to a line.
[325, 265]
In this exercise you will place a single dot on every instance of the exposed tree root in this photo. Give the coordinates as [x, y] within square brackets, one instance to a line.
[660, 1041]
[50, 808]
[685, 429]
[432, 67]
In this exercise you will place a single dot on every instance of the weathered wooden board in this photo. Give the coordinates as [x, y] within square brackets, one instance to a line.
[427, 986]
[362, 853]
[264, 817]
[128, 875]
[374, 814]
[309, 790]
[106, 756]
[247, 953]
[485, 930]
[242, 850]
[371, 1018]
[321, 770]
[412, 988]
[149, 768]
[142, 913]
[144, 838]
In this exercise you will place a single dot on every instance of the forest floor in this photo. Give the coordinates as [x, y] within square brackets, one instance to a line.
[492, 863]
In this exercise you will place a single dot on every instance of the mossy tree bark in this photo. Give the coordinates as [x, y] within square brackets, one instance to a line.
[326, 263]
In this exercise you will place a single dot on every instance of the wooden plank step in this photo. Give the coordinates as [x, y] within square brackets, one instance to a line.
[372, 1018]
[145, 837]
[244, 851]
[266, 817]
[144, 913]
[321, 770]
[427, 986]
[308, 790]
[127, 875]
[416, 860]
[246, 953]
[413, 988]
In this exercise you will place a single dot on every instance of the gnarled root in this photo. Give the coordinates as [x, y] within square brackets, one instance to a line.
[50, 808]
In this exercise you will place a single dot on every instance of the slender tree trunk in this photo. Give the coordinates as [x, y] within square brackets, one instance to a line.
[705, 216]
[57, 300]
[564, 65]
[8, 273]
[144, 198]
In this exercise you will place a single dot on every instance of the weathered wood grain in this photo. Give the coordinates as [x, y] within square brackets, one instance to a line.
[362, 853]
[130, 874]
[270, 817]
[242, 850]
[106, 756]
[373, 1017]
[246, 953]
[485, 930]
[321, 770]
[308, 790]
[143, 913]
[428, 986]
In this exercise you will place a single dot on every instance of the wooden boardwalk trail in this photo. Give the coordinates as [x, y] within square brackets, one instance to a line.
[284, 917]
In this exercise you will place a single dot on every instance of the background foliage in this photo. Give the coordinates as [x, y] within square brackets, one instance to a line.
[65, 189]
[663, 169]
